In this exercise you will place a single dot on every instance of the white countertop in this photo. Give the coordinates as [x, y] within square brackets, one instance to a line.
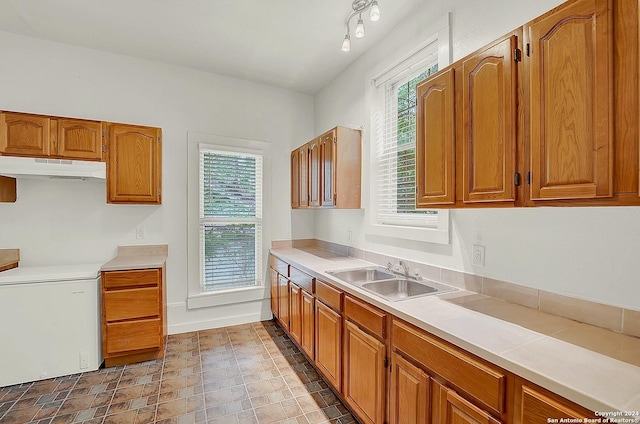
[593, 380]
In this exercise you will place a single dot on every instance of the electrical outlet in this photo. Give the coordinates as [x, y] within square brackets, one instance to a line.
[140, 232]
[477, 255]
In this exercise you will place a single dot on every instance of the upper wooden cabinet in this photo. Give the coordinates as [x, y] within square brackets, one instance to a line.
[489, 123]
[134, 165]
[435, 143]
[466, 130]
[329, 173]
[23, 134]
[37, 136]
[571, 94]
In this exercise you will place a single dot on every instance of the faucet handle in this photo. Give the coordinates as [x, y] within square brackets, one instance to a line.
[389, 266]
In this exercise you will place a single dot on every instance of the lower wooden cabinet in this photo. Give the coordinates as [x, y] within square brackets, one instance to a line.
[295, 312]
[454, 409]
[283, 301]
[538, 405]
[329, 344]
[308, 342]
[409, 401]
[273, 274]
[133, 315]
[364, 374]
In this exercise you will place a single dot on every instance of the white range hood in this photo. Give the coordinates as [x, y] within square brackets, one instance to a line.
[19, 167]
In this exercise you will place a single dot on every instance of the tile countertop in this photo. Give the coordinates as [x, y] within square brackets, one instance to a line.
[137, 257]
[594, 380]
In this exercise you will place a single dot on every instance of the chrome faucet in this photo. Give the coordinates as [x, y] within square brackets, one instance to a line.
[405, 267]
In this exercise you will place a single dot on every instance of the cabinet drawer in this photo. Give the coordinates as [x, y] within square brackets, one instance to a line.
[280, 266]
[486, 384]
[134, 303]
[330, 296]
[131, 278]
[367, 316]
[301, 279]
[133, 335]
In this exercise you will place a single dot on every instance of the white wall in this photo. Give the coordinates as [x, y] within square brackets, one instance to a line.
[590, 253]
[70, 222]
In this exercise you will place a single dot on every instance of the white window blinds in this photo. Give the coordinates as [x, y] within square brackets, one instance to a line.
[230, 219]
[396, 142]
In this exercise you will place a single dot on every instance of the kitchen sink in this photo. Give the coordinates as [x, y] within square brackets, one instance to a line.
[360, 275]
[402, 288]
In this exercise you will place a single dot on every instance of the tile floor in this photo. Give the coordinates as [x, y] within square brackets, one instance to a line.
[248, 373]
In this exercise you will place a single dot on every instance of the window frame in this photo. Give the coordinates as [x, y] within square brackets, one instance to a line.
[196, 297]
[393, 71]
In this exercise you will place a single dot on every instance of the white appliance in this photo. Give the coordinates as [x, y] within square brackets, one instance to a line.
[19, 167]
[49, 322]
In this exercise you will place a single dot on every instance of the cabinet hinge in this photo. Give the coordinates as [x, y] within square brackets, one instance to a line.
[335, 140]
[517, 55]
[386, 362]
[159, 192]
[528, 49]
[103, 148]
[516, 179]
[159, 140]
[529, 177]
[335, 198]
[103, 133]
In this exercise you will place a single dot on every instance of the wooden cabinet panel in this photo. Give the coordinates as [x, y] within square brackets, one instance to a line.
[329, 344]
[314, 173]
[24, 134]
[571, 91]
[329, 295]
[301, 279]
[307, 336]
[283, 301]
[295, 312]
[537, 406]
[364, 376]
[274, 291]
[303, 164]
[132, 303]
[78, 138]
[435, 140]
[486, 384]
[489, 123]
[8, 192]
[454, 409]
[366, 316]
[295, 179]
[135, 164]
[279, 265]
[129, 336]
[328, 171]
[410, 398]
[131, 278]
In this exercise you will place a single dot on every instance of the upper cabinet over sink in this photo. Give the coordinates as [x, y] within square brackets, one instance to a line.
[325, 172]
[544, 116]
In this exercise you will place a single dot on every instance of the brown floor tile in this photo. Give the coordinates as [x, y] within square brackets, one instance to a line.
[121, 418]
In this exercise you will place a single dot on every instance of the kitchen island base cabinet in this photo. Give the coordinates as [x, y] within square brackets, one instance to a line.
[133, 316]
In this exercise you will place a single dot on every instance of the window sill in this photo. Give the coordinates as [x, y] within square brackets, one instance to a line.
[439, 235]
[226, 297]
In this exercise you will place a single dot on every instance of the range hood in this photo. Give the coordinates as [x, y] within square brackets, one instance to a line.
[19, 167]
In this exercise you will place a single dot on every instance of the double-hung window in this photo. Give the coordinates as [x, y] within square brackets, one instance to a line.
[393, 104]
[230, 219]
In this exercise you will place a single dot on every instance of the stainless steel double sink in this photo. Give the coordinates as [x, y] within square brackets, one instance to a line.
[388, 285]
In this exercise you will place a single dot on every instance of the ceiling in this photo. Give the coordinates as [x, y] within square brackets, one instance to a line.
[293, 44]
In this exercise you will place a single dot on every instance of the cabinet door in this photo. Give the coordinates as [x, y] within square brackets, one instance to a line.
[307, 342]
[435, 140]
[364, 382]
[23, 134]
[571, 95]
[453, 409]
[78, 139]
[127, 336]
[303, 163]
[329, 344]
[274, 292]
[314, 173]
[295, 179]
[328, 163]
[134, 165]
[283, 301]
[489, 124]
[409, 403]
[295, 312]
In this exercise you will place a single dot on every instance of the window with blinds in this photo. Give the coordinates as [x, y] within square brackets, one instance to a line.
[396, 144]
[230, 220]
